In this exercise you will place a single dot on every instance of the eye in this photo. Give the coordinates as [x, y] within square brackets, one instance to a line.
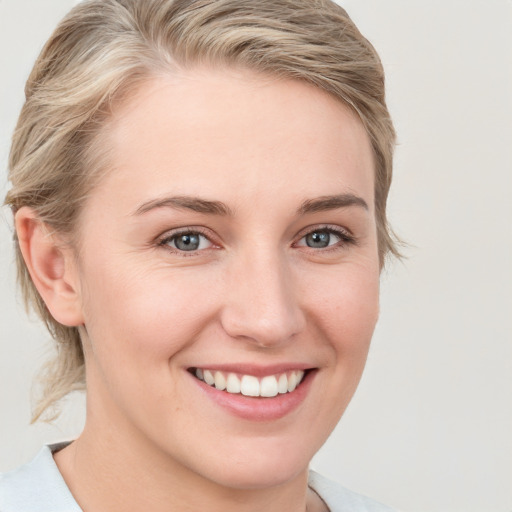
[324, 238]
[318, 239]
[187, 241]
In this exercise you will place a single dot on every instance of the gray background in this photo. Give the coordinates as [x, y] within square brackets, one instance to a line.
[430, 426]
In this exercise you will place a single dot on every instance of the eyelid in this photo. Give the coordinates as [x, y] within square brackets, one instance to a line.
[163, 239]
[345, 235]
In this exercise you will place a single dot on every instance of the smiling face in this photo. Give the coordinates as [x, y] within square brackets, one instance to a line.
[233, 242]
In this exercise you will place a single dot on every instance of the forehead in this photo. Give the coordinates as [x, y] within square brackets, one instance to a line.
[255, 133]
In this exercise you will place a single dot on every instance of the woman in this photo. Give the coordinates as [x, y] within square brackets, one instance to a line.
[199, 191]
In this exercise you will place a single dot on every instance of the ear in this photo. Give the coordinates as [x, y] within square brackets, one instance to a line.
[52, 267]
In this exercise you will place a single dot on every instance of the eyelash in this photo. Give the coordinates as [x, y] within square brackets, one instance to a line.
[346, 239]
[167, 239]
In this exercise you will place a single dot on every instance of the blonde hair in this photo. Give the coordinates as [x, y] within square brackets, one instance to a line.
[103, 49]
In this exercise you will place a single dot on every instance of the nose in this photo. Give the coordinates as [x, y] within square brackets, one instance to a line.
[261, 304]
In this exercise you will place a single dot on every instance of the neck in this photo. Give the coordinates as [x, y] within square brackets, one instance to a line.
[104, 474]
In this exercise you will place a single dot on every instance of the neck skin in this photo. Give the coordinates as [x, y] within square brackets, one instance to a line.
[103, 474]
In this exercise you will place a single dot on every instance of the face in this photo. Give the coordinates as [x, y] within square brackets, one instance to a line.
[232, 243]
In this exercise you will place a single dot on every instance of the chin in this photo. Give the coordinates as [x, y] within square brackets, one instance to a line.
[268, 464]
[259, 476]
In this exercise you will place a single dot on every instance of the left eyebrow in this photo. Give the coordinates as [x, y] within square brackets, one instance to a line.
[326, 203]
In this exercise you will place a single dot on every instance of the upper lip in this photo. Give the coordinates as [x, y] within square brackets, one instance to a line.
[254, 369]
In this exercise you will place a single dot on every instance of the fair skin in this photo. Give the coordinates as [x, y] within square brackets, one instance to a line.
[269, 185]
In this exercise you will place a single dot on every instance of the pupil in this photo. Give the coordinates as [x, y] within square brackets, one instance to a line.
[189, 242]
[318, 239]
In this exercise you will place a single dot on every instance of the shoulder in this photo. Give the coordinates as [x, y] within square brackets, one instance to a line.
[339, 499]
[36, 487]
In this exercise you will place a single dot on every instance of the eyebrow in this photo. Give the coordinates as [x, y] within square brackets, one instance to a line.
[196, 204]
[186, 203]
[326, 203]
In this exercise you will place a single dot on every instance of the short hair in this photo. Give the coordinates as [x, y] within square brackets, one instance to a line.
[104, 49]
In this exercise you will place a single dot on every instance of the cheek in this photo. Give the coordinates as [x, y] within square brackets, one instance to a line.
[343, 306]
[346, 302]
[136, 328]
[143, 318]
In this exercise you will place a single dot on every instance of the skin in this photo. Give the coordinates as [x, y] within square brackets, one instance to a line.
[254, 292]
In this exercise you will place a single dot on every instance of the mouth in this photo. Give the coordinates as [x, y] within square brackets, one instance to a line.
[253, 393]
[268, 386]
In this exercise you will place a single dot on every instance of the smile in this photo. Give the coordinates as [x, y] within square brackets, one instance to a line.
[250, 385]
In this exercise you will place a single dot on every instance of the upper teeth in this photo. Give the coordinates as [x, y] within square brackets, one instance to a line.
[249, 385]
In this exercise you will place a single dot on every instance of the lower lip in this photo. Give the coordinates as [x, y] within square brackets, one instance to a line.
[258, 408]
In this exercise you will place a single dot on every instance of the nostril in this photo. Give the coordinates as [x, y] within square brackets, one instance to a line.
[262, 306]
[263, 330]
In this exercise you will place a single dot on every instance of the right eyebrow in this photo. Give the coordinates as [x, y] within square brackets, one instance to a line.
[192, 203]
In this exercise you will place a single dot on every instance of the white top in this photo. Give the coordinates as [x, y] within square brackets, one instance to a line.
[39, 487]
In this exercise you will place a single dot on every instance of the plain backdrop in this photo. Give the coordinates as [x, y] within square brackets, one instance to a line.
[430, 428]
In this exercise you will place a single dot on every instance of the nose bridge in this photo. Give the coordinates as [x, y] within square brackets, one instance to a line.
[262, 304]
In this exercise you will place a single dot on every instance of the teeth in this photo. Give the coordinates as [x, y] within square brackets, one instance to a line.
[209, 378]
[296, 379]
[233, 384]
[268, 386]
[282, 384]
[220, 381]
[292, 381]
[249, 385]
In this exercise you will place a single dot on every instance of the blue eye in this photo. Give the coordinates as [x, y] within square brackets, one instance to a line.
[187, 241]
[327, 237]
[318, 239]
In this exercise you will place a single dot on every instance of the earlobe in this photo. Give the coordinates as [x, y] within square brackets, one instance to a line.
[51, 267]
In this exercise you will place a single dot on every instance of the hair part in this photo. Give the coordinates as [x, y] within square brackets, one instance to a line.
[103, 50]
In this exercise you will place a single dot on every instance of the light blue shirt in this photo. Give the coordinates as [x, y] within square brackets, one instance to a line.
[39, 487]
